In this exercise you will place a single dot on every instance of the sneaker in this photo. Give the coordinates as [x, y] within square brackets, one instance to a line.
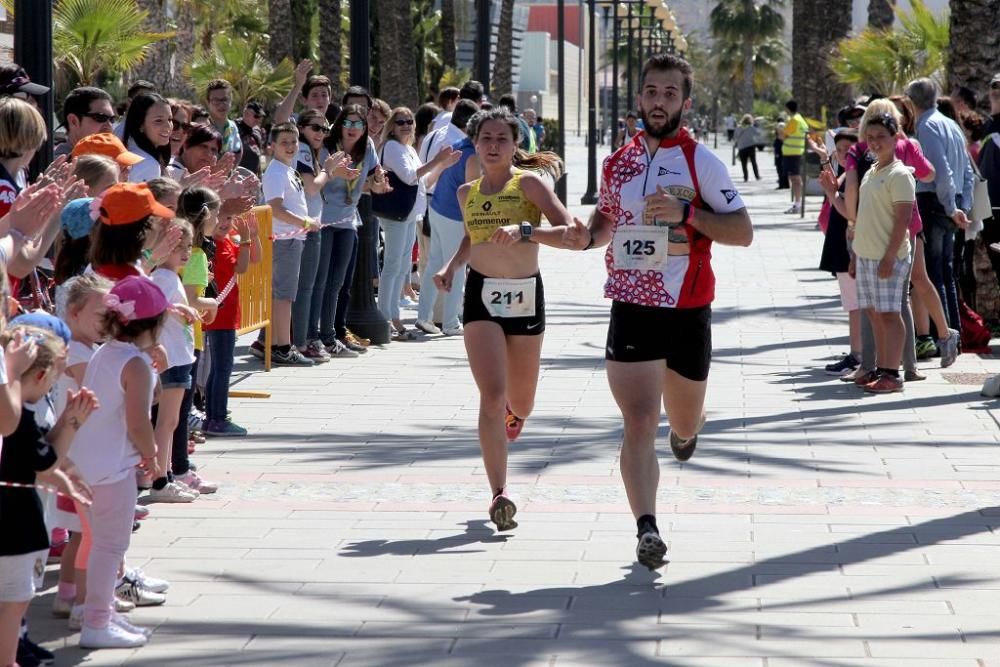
[43, 655]
[25, 657]
[884, 384]
[223, 428]
[651, 550]
[427, 327]
[352, 344]
[61, 608]
[76, 618]
[126, 625]
[193, 481]
[315, 351]
[171, 493]
[338, 350]
[794, 208]
[913, 376]
[122, 606]
[131, 591]
[453, 331]
[502, 511]
[949, 348]
[352, 337]
[842, 367]
[257, 349]
[146, 581]
[514, 425]
[926, 347]
[863, 378]
[684, 449]
[110, 636]
[290, 358]
[141, 512]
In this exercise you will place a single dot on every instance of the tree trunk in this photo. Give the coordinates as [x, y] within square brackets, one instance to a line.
[447, 25]
[503, 66]
[974, 51]
[814, 85]
[185, 45]
[279, 24]
[302, 21]
[330, 56]
[397, 67]
[880, 14]
[156, 67]
[746, 49]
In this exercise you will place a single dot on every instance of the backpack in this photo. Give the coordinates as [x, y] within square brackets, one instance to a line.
[975, 335]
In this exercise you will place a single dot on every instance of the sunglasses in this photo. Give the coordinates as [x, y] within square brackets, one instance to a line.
[101, 117]
[182, 126]
[353, 124]
[325, 129]
[403, 121]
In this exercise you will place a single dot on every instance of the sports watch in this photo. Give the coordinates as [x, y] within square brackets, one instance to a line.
[527, 231]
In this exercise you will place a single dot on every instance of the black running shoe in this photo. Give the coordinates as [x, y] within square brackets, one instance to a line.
[651, 550]
[682, 449]
[502, 511]
[842, 367]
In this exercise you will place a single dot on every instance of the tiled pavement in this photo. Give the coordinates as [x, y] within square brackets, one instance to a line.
[815, 526]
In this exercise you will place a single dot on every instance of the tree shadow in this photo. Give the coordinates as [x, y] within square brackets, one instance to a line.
[476, 532]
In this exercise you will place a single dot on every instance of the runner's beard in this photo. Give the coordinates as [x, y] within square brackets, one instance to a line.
[669, 126]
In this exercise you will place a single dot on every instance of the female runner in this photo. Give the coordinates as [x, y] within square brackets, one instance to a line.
[504, 305]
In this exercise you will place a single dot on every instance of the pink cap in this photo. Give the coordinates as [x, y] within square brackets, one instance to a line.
[136, 298]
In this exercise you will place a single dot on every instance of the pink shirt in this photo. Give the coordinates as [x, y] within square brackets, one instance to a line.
[909, 153]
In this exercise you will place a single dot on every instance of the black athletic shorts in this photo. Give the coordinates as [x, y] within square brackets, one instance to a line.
[792, 164]
[680, 336]
[474, 310]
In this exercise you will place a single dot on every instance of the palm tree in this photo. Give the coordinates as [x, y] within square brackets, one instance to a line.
[767, 58]
[157, 66]
[448, 56]
[396, 64]
[303, 12]
[880, 13]
[503, 65]
[885, 60]
[817, 26]
[745, 24]
[243, 64]
[330, 56]
[98, 40]
[280, 26]
[426, 45]
[972, 54]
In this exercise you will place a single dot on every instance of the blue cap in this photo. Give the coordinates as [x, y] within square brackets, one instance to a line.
[75, 218]
[43, 320]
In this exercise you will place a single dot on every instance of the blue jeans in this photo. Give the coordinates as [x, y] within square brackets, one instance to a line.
[939, 250]
[396, 263]
[332, 290]
[222, 344]
[302, 306]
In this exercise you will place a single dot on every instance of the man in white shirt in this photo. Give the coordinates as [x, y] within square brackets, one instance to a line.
[447, 99]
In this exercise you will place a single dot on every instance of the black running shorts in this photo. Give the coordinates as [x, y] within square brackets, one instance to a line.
[474, 310]
[680, 336]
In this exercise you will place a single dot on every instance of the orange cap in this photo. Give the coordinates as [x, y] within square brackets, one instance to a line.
[108, 144]
[125, 203]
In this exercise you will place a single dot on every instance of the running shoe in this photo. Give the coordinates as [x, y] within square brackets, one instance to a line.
[76, 618]
[110, 636]
[351, 343]
[864, 378]
[223, 428]
[196, 483]
[132, 591]
[146, 581]
[456, 330]
[684, 449]
[172, 493]
[794, 208]
[884, 384]
[514, 424]
[845, 365]
[125, 624]
[502, 511]
[338, 350]
[914, 376]
[949, 348]
[291, 357]
[926, 347]
[257, 349]
[427, 327]
[650, 550]
[121, 606]
[316, 351]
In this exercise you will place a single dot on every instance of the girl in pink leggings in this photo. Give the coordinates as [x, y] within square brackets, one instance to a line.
[108, 447]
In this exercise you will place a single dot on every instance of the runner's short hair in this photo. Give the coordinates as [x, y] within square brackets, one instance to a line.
[666, 62]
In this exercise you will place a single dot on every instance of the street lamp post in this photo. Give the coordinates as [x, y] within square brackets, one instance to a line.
[561, 92]
[482, 43]
[590, 196]
[33, 52]
[616, 32]
[628, 68]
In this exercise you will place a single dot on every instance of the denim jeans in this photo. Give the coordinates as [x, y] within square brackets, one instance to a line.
[446, 236]
[302, 306]
[179, 462]
[396, 263]
[223, 345]
[332, 291]
[939, 249]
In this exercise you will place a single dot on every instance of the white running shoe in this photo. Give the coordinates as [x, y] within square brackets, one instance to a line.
[76, 618]
[146, 581]
[124, 624]
[794, 208]
[131, 591]
[172, 493]
[123, 606]
[427, 326]
[191, 480]
[110, 636]
[456, 330]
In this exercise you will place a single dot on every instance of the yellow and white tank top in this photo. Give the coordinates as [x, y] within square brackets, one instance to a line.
[484, 214]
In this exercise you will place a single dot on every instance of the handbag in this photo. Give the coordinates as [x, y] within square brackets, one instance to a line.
[398, 202]
[982, 208]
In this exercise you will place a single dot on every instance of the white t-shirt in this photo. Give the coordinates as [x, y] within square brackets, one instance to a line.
[282, 182]
[433, 143]
[101, 448]
[177, 338]
[440, 120]
[146, 170]
[402, 160]
[76, 353]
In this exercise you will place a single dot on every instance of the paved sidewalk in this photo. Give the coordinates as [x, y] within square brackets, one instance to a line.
[815, 525]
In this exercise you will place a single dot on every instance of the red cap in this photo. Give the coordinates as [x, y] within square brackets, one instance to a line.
[105, 143]
[125, 203]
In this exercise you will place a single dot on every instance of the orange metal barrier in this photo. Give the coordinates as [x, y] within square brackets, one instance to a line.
[255, 286]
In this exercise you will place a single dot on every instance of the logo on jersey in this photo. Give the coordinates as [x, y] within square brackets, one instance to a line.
[681, 192]
[668, 172]
[487, 205]
[730, 195]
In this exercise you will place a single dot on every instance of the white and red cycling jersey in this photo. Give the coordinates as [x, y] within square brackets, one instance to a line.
[649, 262]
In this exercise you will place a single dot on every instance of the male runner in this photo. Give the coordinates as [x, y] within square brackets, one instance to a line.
[664, 199]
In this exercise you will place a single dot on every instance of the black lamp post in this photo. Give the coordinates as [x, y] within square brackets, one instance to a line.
[33, 52]
[483, 43]
[364, 317]
[561, 92]
[590, 196]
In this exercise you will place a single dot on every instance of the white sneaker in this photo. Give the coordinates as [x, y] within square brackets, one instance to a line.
[146, 581]
[110, 636]
[427, 326]
[76, 618]
[186, 487]
[123, 606]
[131, 591]
[794, 208]
[61, 608]
[172, 493]
[192, 481]
[124, 624]
[456, 330]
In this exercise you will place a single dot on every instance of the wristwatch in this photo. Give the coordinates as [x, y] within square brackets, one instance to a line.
[526, 231]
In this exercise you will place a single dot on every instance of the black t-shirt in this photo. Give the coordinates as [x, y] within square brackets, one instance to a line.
[253, 146]
[22, 522]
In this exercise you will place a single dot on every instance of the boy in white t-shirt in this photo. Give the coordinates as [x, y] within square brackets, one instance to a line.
[284, 193]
